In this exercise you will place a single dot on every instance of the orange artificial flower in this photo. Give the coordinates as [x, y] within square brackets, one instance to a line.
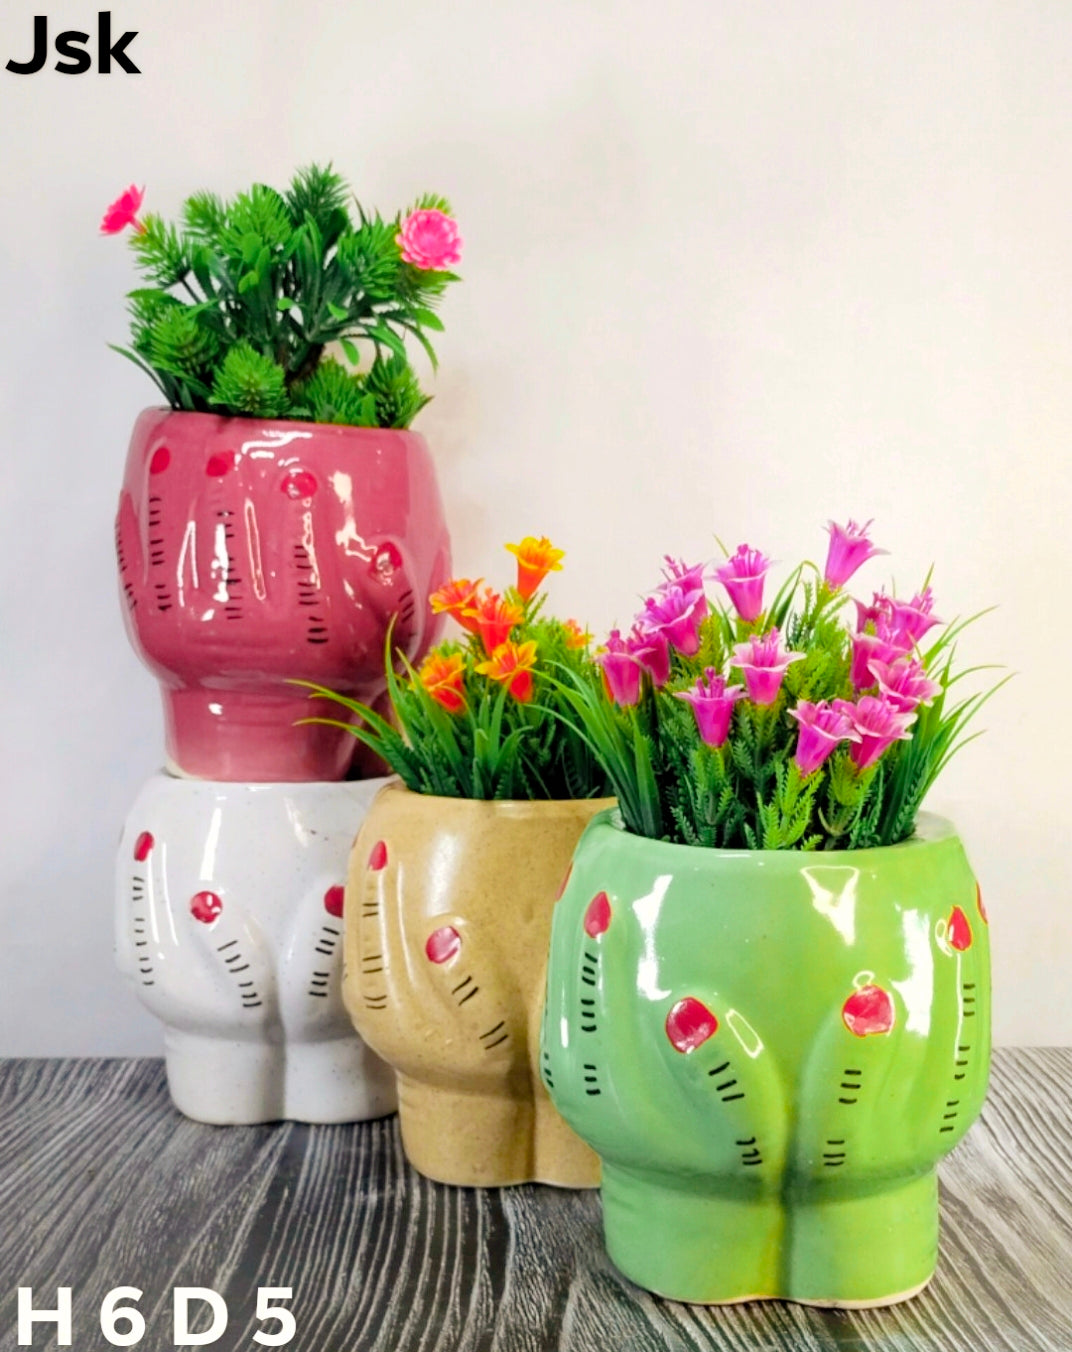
[456, 597]
[444, 679]
[535, 559]
[576, 637]
[493, 618]
[512, 664]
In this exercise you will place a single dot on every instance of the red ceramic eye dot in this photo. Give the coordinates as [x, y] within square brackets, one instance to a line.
[564, 883]
[378, 857]
[387, 561]
[333, 900]
[597, 917]
[160, 461]
[443, 944]
[299, 483]
[689, 1024]
[220, 463]
[868, 1011]
[979, 903]
[143, 846]
[206, 907]
[959, 930]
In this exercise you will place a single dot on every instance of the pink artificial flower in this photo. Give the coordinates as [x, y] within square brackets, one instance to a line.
[821, 729]
[764, 662]
[904, 683]
[885, 645]
[879, 725]
[849, 550]
[429, 239]
[676, 571]
[881, 608]
[676, 614]
[651, 649]
[742, 575]
[914, 617]
[712, 703]
[621, 670]
[123, 212]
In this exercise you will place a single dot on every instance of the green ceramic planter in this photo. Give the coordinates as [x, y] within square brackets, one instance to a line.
[770, 1051]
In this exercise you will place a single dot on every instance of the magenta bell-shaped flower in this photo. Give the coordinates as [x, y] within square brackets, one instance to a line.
[712, 704]
[621, 670]
[904, 683]
[849, 550]
[743, 575]
[879, 725]
[763, 662]
[677, 614]
[821, 730]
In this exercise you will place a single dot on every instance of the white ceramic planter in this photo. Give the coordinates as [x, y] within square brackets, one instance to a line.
[229, 926]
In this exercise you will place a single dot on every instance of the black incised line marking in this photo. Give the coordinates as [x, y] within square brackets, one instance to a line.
[489, 1046]
[244, 984]
[469, 995]
[460, 985]
[845, 1100]
[223, 947]
[330, 929]
[492, 1031]
[327, 952]
[728, 1098]
[852, 1072]
[941, 1129]
[588, 980]
[969, 985]
[243, 968]
[728, 1085]
[719, 1069]
[751, 1141]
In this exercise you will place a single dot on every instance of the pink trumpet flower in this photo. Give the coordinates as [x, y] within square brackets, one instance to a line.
[651, 649]
[904, 683]
[849, 550]
[676, 614]
[914, 617]
[743, 575]
[712, 704]
[123, 212]
[886, 645]
[764, 662]
[821, 730]
[881, 608]
[879, 725]
[678, 572]
[621, 670]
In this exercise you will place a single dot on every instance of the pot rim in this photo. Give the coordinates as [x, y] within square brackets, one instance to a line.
[503, 806]
[931, 829]
[223, 420]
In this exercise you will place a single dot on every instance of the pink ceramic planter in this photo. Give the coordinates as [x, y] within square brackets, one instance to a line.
[252, 552]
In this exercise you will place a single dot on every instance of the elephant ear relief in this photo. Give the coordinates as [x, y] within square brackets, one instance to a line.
[768, 992]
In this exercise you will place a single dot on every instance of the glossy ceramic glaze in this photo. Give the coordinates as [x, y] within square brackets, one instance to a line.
[251, 552]
[229, 927]
[448, 913]
[770, 1051]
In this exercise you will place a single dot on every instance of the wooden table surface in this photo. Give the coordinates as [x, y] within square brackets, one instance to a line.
[103, 1184]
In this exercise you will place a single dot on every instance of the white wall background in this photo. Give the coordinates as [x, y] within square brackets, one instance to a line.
[730, 268]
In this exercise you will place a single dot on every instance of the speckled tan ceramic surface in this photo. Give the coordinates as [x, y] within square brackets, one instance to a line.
[448, 916]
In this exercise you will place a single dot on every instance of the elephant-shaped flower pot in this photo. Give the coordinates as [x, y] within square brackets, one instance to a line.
[448, 916]
[229, 904]
[770, 1052]
[254, 552]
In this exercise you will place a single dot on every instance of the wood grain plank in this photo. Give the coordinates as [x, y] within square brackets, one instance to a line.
[102, 1184]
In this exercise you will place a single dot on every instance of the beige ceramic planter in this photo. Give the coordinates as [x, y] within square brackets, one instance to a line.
[448, 917]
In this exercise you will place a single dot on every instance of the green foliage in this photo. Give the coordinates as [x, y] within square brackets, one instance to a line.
[495, 741]
[243, 299]
[496, 746]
